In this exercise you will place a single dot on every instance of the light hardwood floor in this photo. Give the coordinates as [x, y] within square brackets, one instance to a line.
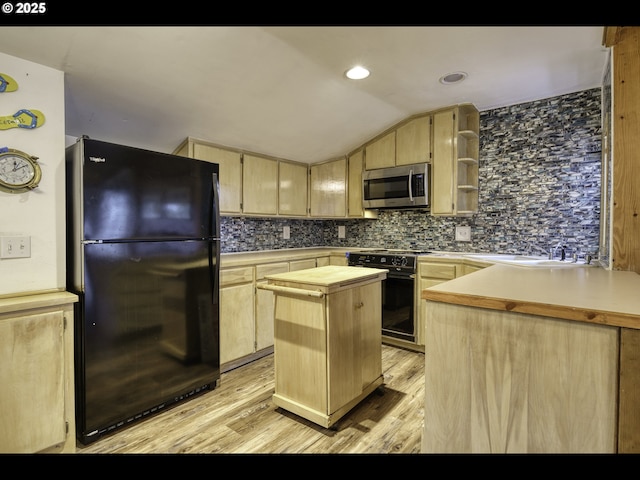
[239, 417]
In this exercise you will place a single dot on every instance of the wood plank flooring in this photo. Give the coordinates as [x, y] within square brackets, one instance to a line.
[239, 417]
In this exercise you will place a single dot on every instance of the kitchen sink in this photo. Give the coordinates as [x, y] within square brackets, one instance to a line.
[525, 260]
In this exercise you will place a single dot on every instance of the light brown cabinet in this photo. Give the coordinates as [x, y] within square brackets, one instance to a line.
[230, 170]
[354, 186]
[237, 317]
[328, 184]
[328, 341]
[413, 141]
[246, 310]
[293, 180]
[431, 273]
[265, 303]
[455, 161]
[259, 185]
[381, 153]
[37, 377]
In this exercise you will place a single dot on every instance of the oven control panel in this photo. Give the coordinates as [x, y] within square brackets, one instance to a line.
[400, 261]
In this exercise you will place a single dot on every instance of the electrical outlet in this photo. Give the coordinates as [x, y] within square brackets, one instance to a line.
[463, 234]
[15, 247]
[286, 232]
[341, 231]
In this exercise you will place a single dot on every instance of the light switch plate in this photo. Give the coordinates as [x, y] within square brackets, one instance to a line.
[463, 234]
[15, 247]
[341, 231]
[286, 232]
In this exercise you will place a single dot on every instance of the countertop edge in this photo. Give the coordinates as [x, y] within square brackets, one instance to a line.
[600, 317]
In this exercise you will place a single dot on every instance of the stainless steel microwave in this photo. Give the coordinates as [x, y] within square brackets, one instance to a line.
[405, 186]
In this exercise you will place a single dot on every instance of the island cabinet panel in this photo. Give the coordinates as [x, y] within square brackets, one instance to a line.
[506, 382]
[327, 340]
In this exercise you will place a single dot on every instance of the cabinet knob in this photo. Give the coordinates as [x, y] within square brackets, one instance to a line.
[359, 305]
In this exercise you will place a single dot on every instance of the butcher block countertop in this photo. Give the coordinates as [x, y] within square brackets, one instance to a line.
[328, 278]
[593, 295]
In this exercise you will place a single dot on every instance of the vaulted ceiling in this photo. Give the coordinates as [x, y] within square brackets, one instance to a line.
[281, 91]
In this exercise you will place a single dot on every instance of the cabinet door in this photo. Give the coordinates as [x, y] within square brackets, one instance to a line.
[413, 142]
[329, 189]
[354, 186]
[293, 188]
[259, 185]
[265, 305]
[429, 275]
[442, 171]
[230, 174]
[354, 339]
[382, 152]
[338, 260]
[237, 319]
[323, 261]
[32, 396]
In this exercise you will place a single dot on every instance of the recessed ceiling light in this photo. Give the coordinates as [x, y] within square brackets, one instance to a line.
[455, 77]
[357, 73]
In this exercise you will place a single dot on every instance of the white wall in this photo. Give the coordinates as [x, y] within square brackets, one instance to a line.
[40, 213]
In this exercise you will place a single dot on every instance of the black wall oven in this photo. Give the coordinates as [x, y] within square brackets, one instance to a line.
[398, 291]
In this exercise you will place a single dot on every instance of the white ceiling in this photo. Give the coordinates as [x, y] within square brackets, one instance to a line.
[281, 91]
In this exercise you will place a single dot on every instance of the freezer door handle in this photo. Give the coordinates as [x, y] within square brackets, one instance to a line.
[214, 263]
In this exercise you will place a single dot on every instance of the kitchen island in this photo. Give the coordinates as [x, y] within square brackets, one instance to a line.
[327, 339]
[532, 360]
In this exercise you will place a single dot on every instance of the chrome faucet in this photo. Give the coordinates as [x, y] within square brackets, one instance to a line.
[563, 251]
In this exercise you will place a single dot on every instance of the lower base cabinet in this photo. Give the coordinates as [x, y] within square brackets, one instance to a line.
[328, 341]
[37, 402]
[237, 315]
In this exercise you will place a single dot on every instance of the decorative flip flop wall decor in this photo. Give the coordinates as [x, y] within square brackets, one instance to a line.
[7, 84]
[22, 119]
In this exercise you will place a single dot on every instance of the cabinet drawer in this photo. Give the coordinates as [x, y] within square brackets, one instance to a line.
[270, 269]
[438, 270]
[230, 276]
[302, 264]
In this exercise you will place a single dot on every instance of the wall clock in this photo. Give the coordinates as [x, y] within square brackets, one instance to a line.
[19, 171]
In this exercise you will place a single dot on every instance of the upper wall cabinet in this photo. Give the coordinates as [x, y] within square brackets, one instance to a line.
[455, 161]
[408, 144]
[230, 162]
[293, 188]
[413, 141]
[252, 184]
[382, 152]
[355, 164]
[259, 185]
[328, 189]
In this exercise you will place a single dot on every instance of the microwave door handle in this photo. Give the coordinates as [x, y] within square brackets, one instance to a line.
[410, 184]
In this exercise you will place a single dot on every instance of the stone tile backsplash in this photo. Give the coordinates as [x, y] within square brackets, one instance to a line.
[539, 178]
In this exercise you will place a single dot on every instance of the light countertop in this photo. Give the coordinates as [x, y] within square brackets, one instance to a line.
[594, 295]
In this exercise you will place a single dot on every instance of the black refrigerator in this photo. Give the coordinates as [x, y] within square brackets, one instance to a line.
[143, 254]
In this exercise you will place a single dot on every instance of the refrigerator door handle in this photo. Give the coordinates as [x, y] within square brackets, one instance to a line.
[216, 207]
[214, 264]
